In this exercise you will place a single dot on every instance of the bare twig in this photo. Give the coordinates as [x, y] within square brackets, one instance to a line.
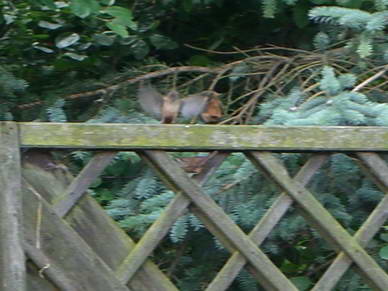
[369, 80]
[112, 88]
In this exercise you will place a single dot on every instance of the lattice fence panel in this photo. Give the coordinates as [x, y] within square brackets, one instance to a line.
[74, 245]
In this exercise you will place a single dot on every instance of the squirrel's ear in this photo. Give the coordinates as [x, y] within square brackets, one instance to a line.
[213, 110]
[150, 100]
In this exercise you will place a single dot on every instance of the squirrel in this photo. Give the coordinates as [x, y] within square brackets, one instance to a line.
[205, 105]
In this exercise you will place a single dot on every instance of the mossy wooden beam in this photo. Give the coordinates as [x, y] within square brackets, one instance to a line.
[82, 182]
[12, 258]
[182, 137]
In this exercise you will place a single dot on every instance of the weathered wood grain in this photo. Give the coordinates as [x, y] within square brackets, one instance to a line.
[96, 228]
[110, 137]
[36, 282]
[162, 225]
[202, 137]
[82, 182]
[315, 213]
[12, 259]
[271, 277]
[374, 166]
[342, 262]
[62, 245]
[232, 268]
[49, 269]
[112, 244]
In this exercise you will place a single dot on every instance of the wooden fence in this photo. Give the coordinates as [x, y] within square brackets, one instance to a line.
[69, 243]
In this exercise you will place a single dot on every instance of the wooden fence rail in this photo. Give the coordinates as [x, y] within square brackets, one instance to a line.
[46, 218]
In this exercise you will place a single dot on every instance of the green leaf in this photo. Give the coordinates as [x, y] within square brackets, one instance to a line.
[83, 8]
[103, 39]
[163, 42]
[49, 25]
[120, 12]
[302, 282]
[118, 28]
[43, 49]
[383, 253]
[67, 40]
[75, 56]
[122, 16]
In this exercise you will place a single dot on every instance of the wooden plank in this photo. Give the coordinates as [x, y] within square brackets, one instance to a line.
[162, 225]
[37, 282]
[64, 248]
[82, 182]
[318, 215]
[378, 169]
[236, 262]
[271, 277]
[342, 262]
[152, 237]
[375, 167]
[12, 258]
[203, 137]
[50, 182]
[112, 245]
[50, 269]
[96, 228]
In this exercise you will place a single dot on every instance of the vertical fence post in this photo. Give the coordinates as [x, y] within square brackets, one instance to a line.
[12, 259]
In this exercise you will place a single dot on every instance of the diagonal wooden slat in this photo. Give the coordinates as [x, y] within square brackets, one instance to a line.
[51, 270]
[320, 217]
[378, 169]
[70, 253]
[12, 260]
[375, 167]
[162, 225]
[342, 262]
[152, 237]
[93, 225]
[271, 277]
[231, 269]
[82, 182]
[112, 245]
